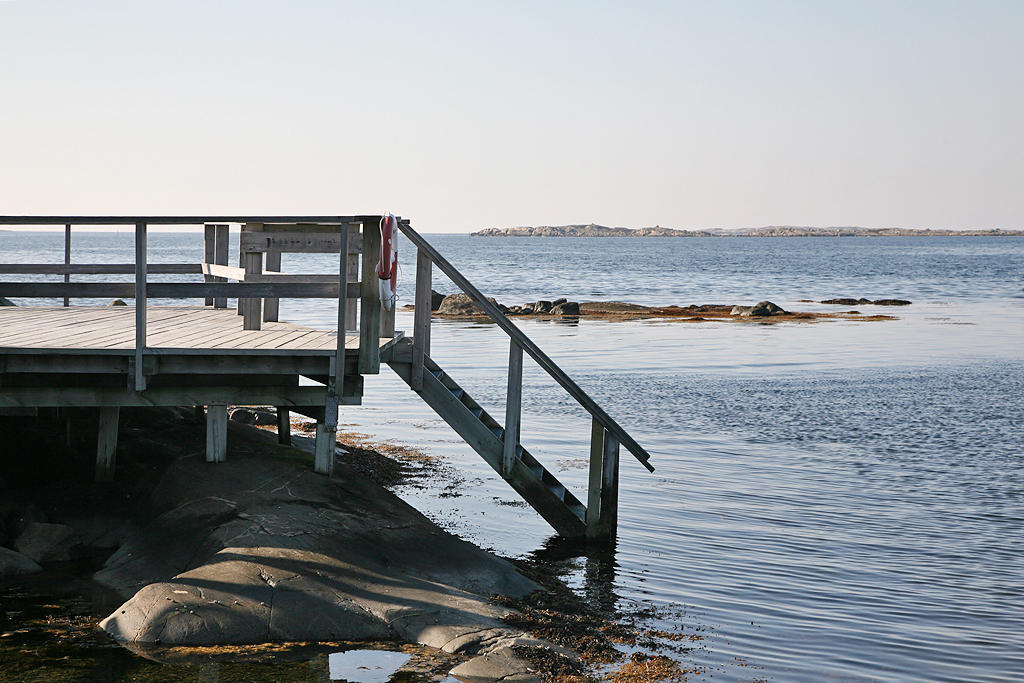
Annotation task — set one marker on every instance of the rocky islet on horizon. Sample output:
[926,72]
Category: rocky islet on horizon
[595,230]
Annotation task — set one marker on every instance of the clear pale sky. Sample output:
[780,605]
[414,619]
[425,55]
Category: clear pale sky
[474,114]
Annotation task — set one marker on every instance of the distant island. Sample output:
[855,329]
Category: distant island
[594,230]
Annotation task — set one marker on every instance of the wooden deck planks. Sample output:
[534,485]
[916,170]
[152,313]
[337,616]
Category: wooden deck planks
[184,327]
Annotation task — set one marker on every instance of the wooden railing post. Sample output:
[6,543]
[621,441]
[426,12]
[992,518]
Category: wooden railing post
[513,406]
[272,305]
[594,480]
[421,320]
[369,306]
[67,258]
[222,238]
[209,254]
[140,304]
[252,262]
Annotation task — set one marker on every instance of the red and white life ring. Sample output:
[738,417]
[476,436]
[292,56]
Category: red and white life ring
[387,267]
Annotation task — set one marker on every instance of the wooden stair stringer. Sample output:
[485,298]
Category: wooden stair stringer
[534,483]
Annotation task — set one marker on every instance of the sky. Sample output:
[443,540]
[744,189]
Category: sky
[470,114]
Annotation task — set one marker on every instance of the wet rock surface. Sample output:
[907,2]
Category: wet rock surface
[44,542]
[846,301]
[13,563]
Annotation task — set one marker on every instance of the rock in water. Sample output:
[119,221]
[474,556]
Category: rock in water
[842,301]
[13,563]
[461,304]
[761,309]
[48,542]
[566,308]
[891,302]
[765,308]
[435,299]
[117,302]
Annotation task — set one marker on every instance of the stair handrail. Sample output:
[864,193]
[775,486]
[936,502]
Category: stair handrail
[527,344]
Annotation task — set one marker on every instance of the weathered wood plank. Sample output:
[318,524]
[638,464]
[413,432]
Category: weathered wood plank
[222,236]
[216,433]
[594,479]
[179,290]
[272,305]
[31,397]
[140,305]
[98,269]
[421,319]
[369,306]
[295,242]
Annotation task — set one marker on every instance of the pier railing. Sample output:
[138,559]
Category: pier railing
[606,433]
[258,291]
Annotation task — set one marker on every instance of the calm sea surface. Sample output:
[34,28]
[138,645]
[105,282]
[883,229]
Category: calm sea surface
[833,501]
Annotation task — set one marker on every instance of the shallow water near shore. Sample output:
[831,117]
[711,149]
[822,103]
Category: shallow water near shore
[832,501]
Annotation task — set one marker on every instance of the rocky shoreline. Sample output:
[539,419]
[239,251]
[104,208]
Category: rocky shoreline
[259,550]
[595,230]
[460,306]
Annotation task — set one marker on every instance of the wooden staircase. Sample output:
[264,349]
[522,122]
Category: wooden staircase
[498,442]
[531,480]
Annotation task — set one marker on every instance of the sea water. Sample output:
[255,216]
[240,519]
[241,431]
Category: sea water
[835,500]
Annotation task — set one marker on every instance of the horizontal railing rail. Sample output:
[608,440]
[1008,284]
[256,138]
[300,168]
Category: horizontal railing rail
[517,336]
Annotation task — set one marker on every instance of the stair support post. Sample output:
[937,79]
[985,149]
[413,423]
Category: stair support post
[513,406]
[421,322]
[603,492]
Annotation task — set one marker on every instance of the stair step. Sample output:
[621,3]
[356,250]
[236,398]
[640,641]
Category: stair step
[580,510]
[477,412]
[497,431]
[437,373]
[537,470]
[457,391]
[556,489]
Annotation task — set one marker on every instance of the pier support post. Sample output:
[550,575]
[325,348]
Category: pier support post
[216,433]
[603,492]
[272,305]
[421,321]
[222,236]
[284,427]
[209,254]
[106,444]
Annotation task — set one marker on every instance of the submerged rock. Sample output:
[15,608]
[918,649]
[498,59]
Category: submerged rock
[891,302]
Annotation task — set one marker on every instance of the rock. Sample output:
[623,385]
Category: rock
[263,548]
[565,308]
[765,308]
[759,310]
[840,302]
[542,307]
[558,302]
[6,302]
[13,563]
[891,302]
[500,665]
[862,302]
[48,542]
[526,309]
[461,304]
[435,299]
[117,302]
[250,416]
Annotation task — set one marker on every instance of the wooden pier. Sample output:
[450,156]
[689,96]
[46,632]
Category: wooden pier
[212,356]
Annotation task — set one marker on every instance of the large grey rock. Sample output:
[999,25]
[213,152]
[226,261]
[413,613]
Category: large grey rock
[13,563]
[265,549]
[500,665]
[48,542]
[435,299]
[461,304]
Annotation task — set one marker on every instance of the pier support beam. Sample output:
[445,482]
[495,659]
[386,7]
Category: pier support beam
[216,433]
[284,426]
[106,444]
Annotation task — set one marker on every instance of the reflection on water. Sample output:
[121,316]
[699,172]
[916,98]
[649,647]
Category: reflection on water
[365,666]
